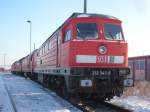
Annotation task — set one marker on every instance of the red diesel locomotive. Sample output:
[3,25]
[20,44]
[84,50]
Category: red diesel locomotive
[86,56]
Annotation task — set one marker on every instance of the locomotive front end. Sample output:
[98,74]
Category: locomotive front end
[99,57]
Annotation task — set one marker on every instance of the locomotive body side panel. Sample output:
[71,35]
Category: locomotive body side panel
[46,55]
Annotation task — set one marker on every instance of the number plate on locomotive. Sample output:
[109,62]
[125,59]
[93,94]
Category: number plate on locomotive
[101,72]
[86,83]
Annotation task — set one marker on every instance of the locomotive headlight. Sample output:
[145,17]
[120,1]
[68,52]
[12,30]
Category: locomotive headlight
[102,49]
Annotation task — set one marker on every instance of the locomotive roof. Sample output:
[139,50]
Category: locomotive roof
[76,15]
[80,15]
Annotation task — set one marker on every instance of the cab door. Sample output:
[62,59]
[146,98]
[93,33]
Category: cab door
[59,42]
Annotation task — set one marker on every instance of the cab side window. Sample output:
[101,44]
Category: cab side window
[67,36]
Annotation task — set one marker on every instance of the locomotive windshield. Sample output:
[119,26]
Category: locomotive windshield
[87,30]
[113,32]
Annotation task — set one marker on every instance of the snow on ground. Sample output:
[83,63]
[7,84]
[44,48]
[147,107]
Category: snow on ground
[29,96]
[136,98]
[135,103]
[5,105]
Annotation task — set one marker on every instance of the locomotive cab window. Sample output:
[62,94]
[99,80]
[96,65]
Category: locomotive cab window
[87,31]
[67,35]
[113,32]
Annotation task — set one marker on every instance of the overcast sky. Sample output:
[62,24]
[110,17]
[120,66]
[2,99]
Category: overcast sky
[48,15]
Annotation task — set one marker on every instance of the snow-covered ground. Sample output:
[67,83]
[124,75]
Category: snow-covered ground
[136,98]
[29,96]
[135,103]
[5,104]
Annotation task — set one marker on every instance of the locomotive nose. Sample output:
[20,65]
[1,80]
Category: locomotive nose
[98,54]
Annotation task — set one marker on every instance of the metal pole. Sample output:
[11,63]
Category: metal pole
[30,32]
[4,60]
[85,6]
[30,35]
[34,46]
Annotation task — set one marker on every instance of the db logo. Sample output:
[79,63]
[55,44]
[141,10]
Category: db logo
[101,59]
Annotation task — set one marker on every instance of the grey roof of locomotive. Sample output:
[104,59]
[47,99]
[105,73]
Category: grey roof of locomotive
[76,15]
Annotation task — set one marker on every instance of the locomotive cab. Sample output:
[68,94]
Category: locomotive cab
[97,41]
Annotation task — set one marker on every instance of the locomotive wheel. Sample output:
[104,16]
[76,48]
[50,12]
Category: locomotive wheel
[64,92]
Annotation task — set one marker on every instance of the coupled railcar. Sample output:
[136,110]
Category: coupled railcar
[86,56]
[16,67]
[2,69]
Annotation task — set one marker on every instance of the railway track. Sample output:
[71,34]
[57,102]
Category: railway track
[85,106]
[92,106]
[13,106]
[117,108]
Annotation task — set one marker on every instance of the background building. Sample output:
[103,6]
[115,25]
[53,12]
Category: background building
[140,67]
